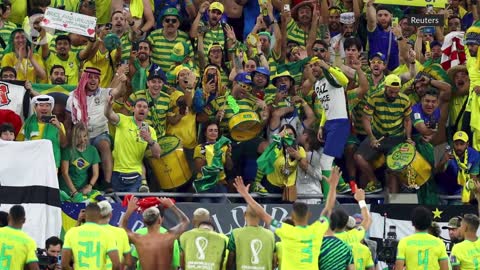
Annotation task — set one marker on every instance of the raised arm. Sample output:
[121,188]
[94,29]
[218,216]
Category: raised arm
[196,23]
[184,221]
[131,207]
[360,197]
[332,192]
[243,190]
[112,117]
[371,16]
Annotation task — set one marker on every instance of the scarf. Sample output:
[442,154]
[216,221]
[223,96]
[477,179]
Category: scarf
[79,102]
[49,133]
[463,176]
[211,172]
[267,159]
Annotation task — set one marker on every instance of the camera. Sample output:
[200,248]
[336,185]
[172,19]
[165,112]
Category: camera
[388,251]
[44,260]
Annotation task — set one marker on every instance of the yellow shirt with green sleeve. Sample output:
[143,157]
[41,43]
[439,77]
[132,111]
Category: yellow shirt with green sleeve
[17,249]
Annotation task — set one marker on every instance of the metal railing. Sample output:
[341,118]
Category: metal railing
[382,197]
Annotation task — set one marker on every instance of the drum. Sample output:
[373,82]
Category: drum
[171,169]
[409,165]
[244,126]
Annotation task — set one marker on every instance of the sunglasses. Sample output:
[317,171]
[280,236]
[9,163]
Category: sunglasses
[245,86]
[376,62]
[322,50]
[172,21]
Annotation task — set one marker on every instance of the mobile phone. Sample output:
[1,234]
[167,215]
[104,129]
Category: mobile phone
[364,55]
[210,77]
[286,8]
[427,46]
[282,88]
[135,46]
[394,21]
[323,30]
[108,26]
[59,260]
[125,62]
[47,118]
[144,126]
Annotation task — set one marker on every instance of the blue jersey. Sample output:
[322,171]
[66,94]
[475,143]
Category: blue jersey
[419,116]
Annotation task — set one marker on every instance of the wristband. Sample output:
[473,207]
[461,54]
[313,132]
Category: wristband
[73,193]
[362,204]
[90,184]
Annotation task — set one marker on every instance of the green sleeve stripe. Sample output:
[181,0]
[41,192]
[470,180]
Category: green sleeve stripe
[69,248]
[456,264]
[400,259]
[32,261]
[444,258]
[368,266]
[113,249]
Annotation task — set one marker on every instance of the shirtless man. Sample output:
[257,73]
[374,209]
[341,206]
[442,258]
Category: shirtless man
[155,249]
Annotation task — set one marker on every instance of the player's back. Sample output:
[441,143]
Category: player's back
[90,245]
[466,254]
[301,244]
[155,250]
[17,249]
[362,256]
[421,251]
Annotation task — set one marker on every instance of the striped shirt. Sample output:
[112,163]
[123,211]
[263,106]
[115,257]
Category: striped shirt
[5,33]
[157,117]
[334,254]
[126,46]
[220,103]
[387,117]
[162,47]
[213,35]
[295,33]
[357,110]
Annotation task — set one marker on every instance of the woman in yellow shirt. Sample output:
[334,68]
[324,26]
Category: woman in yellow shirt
[19,55]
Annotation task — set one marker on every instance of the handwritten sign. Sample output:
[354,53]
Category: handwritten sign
[414,3]
[69,22]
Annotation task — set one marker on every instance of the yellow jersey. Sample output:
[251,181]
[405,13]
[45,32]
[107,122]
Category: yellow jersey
[362,256]
[466,255]
[129,146]
[71,65]
[17,249]
[277,178]
[301,243]
[351,237]
[25,69]
[421,251]
[90,245]
[121,240]
[39,136]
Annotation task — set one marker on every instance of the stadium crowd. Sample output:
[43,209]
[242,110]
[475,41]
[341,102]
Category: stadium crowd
[265,97]
[186,95]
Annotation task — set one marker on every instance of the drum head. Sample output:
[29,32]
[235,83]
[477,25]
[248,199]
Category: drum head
[401,156]
[168,144]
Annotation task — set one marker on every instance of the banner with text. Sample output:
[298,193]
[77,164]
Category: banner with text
[69,22]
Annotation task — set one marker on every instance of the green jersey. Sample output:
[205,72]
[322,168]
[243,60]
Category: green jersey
[203,249]
[253,247]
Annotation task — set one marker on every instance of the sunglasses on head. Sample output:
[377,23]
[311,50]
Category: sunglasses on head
[322,50]
[245,86]
[170,20]
[376,61]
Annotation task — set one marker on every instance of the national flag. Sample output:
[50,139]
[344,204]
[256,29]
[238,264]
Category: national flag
[28,176]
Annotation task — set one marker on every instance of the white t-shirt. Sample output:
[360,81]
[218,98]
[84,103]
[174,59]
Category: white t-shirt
[97,121]
[332,98]
[11,98]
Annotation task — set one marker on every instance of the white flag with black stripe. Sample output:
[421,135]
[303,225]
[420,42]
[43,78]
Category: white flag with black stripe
[28,176]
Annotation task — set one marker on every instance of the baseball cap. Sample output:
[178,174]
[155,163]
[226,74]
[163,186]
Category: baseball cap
[244,77]
[216,5]
[180,51]
[170,12]
[393,80]
[460,135]
[453,223]
[157,74]
[379,55]
[262,70]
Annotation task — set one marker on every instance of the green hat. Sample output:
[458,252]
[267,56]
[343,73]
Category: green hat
[180,51]
[282,74]
[171,12]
